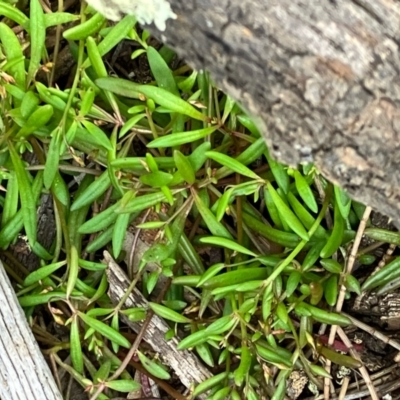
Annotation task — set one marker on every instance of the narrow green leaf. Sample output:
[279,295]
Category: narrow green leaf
[229,105]
[161,72]
[59,18]
[287,239]
[266,304]
[338,358]
[184,167]
[167,313]
[93,192]
[160,96]
[331,290]
[272,210]
[352,284]
[101,290]
[39,118]
[75,347]
[60,190]
[229,244]
[119,233]
[16,224]
[388,273]
[155,369]
[293,282]
[322,316]
[114,36]
[156,179]
[131,123]
[212,271]
[336,237]
[331,266]
[38,36]
[151,225]
[244,366]
[305,192]
[105,330]
[29,104]
[26,196]
[123,385]
[223,203]
[235,277]
[215,227]
[53,158]
[87,102]
[177,139]
[14,14]
[85,29]
[97,134]
[279,172]
[36,299]
[232,164]
[91,266]
[204,352]
[10,206]
[304,216]
[286,213]
[272,356]
[114,325]
[103,372]
[192,340]
[73,270]
[209,383]
[141,203]
[279,393]
[171,102]
[42,273]
[100,221]
[343,201]
[383,235]
[12,48]
[319,371]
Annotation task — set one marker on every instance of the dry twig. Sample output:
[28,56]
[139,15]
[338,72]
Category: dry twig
[341,297]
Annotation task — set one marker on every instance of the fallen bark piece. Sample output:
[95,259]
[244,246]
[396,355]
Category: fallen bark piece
[185,364]
[24,373]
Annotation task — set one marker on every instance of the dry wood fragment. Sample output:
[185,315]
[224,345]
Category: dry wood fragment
[24,373]
[184,363]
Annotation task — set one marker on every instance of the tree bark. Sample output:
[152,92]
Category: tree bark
[322,76]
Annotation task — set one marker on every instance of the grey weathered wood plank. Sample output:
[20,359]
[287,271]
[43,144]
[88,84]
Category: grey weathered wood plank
[24,373]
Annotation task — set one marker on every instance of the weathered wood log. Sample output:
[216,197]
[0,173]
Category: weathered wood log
[323,76]
[184,363]
[24,373]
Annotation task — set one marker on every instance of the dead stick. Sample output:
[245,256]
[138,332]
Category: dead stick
[343,389]
[362,369]
[342,294]
[379,335]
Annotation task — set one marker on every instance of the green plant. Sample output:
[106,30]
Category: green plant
[201,159]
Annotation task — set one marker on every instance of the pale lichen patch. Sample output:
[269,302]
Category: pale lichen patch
[146,11]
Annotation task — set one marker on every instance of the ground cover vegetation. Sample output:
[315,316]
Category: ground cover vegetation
[255,257]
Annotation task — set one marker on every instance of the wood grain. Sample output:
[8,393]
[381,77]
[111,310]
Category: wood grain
[24,373]
[184,363]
